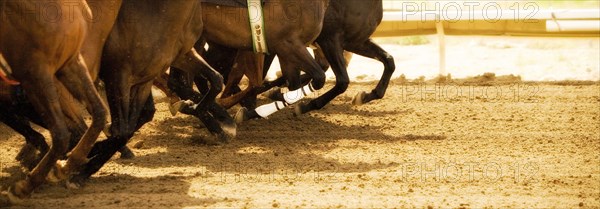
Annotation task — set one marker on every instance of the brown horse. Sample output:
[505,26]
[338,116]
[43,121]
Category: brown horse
[45,55]
[17,111]
[147,38]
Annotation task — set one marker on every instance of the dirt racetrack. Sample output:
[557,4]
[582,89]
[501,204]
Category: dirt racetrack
[537,146]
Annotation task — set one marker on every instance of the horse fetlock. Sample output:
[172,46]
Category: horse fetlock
[58,172]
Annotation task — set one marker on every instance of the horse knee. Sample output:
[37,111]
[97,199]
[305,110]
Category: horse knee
[318,80]
[100,117]
[390,63]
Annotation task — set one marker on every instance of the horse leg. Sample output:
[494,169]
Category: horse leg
[161,83]
[298,59]
[35,146]
[321,58]
[372,50]
[123,127]
[76,79]
[219,122]
[235,75]
[43,95]
[333,51]
[251,65]
[182,84]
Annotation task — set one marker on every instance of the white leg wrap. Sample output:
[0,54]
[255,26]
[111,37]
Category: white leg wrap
[292,97]
[268,109]
[289,97]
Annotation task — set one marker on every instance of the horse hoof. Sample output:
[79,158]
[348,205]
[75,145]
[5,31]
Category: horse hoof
[11,199]
[359,98]
[72,185]
[15,193]
[126,153]
[175,107]
[241,115]
[229,132]
[76,182]
[25,152]
[300,109]
[4,200]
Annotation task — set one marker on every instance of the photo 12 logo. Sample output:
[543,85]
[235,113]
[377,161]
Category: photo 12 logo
[454,11]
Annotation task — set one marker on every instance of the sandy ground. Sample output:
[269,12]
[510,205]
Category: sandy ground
[535,147]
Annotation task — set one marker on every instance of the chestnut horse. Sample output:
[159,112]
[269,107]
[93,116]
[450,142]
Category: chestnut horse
[45,56]
[17,111]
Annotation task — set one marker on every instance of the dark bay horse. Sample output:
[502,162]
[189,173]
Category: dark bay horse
[148,37]
[45,56]
[348,26]
[290,27]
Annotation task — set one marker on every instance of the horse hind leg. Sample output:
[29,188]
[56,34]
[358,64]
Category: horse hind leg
[43,95]
[75,77]
[372,50]
[35,147]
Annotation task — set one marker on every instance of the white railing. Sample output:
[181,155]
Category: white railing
[565,22]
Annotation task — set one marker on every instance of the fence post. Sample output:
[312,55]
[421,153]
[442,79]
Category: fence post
[442,46]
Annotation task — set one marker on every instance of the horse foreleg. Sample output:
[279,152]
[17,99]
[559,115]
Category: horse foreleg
[333,51]
[219,122]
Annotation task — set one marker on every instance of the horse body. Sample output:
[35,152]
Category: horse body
[348,26]
[147,38]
